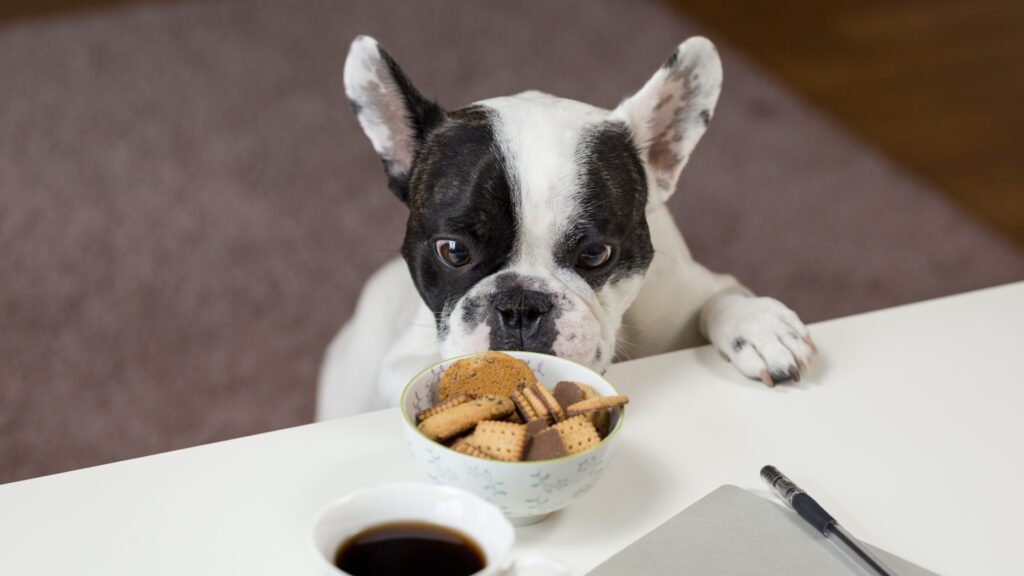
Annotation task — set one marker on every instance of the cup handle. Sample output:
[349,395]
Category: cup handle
[534,564]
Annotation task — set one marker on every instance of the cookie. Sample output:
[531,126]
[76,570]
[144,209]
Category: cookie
[567,393]
[459,443]
[465,416]
[538,405]
[487,373]
[533,427]
[597,403]
[578,434]
[600,419]
[438,408]
[587,390]
[557,414]
[526,411]
[545,446]
[464,446]
[500,440]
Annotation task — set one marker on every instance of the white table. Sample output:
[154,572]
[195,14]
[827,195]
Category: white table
[910,431]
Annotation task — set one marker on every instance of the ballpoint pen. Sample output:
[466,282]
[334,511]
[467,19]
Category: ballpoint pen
[821,520]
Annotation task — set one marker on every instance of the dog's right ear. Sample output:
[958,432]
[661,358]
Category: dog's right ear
[394,115]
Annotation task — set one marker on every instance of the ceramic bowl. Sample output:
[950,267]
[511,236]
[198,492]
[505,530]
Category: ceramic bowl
[525,492]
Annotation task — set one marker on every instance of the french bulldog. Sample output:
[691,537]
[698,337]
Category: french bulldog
[540,223]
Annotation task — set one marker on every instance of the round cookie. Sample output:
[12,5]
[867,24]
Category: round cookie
[487,373]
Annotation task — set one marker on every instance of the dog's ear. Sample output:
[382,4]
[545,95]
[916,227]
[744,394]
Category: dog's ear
[670,113]
[394,115]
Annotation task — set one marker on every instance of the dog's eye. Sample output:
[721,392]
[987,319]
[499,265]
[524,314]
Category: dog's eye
[452,252]
[593,256]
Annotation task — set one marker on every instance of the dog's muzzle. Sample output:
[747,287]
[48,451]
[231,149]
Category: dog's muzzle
[522,320]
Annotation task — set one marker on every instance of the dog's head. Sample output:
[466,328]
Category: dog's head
[527,214]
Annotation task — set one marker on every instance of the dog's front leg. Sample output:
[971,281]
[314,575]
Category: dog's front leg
[682,304]
[762,337]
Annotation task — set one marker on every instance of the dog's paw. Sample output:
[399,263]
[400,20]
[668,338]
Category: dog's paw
[763,338]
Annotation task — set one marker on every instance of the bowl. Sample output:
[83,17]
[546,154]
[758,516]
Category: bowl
[526,492]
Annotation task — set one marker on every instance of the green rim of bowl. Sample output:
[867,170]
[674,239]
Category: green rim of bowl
[405,417]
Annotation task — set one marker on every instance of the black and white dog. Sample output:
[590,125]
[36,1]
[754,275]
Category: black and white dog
[539,223]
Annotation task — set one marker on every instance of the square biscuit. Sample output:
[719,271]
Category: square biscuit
[600,418]
[567,393]
[545,445]
[500,440]
[526,411]
[578,434]
[538,405]
[464,446]
[554,408]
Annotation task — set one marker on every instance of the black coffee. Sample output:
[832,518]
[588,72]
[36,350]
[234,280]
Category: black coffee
[409,548]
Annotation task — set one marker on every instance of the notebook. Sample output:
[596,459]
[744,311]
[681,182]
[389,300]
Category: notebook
[732,532]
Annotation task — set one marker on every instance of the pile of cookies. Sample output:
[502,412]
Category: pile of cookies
[490,405]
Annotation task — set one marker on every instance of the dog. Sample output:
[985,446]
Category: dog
[540,223]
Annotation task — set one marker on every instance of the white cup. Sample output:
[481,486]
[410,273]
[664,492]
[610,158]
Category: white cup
[441,505]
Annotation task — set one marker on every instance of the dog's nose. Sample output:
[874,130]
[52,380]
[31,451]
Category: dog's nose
[520,316]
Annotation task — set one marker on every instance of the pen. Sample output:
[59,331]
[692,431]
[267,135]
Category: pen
[822,521]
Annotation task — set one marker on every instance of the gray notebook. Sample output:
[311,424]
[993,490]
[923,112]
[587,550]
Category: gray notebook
[732,532]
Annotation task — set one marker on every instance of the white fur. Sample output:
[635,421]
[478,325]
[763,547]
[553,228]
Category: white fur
[368,82]
[675,305]
[539,134]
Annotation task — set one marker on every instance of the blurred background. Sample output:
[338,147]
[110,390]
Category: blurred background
[188,209]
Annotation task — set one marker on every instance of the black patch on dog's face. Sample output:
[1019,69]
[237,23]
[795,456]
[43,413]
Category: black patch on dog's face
[611,199]
[458,189]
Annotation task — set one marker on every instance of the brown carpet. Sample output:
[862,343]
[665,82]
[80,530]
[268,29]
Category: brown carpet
[188,209]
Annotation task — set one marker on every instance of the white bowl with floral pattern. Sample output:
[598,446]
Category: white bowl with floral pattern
[525,491]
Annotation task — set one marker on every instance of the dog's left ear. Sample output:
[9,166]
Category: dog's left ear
[394,115]
[670,113]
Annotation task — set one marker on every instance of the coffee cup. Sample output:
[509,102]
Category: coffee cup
[446,508]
